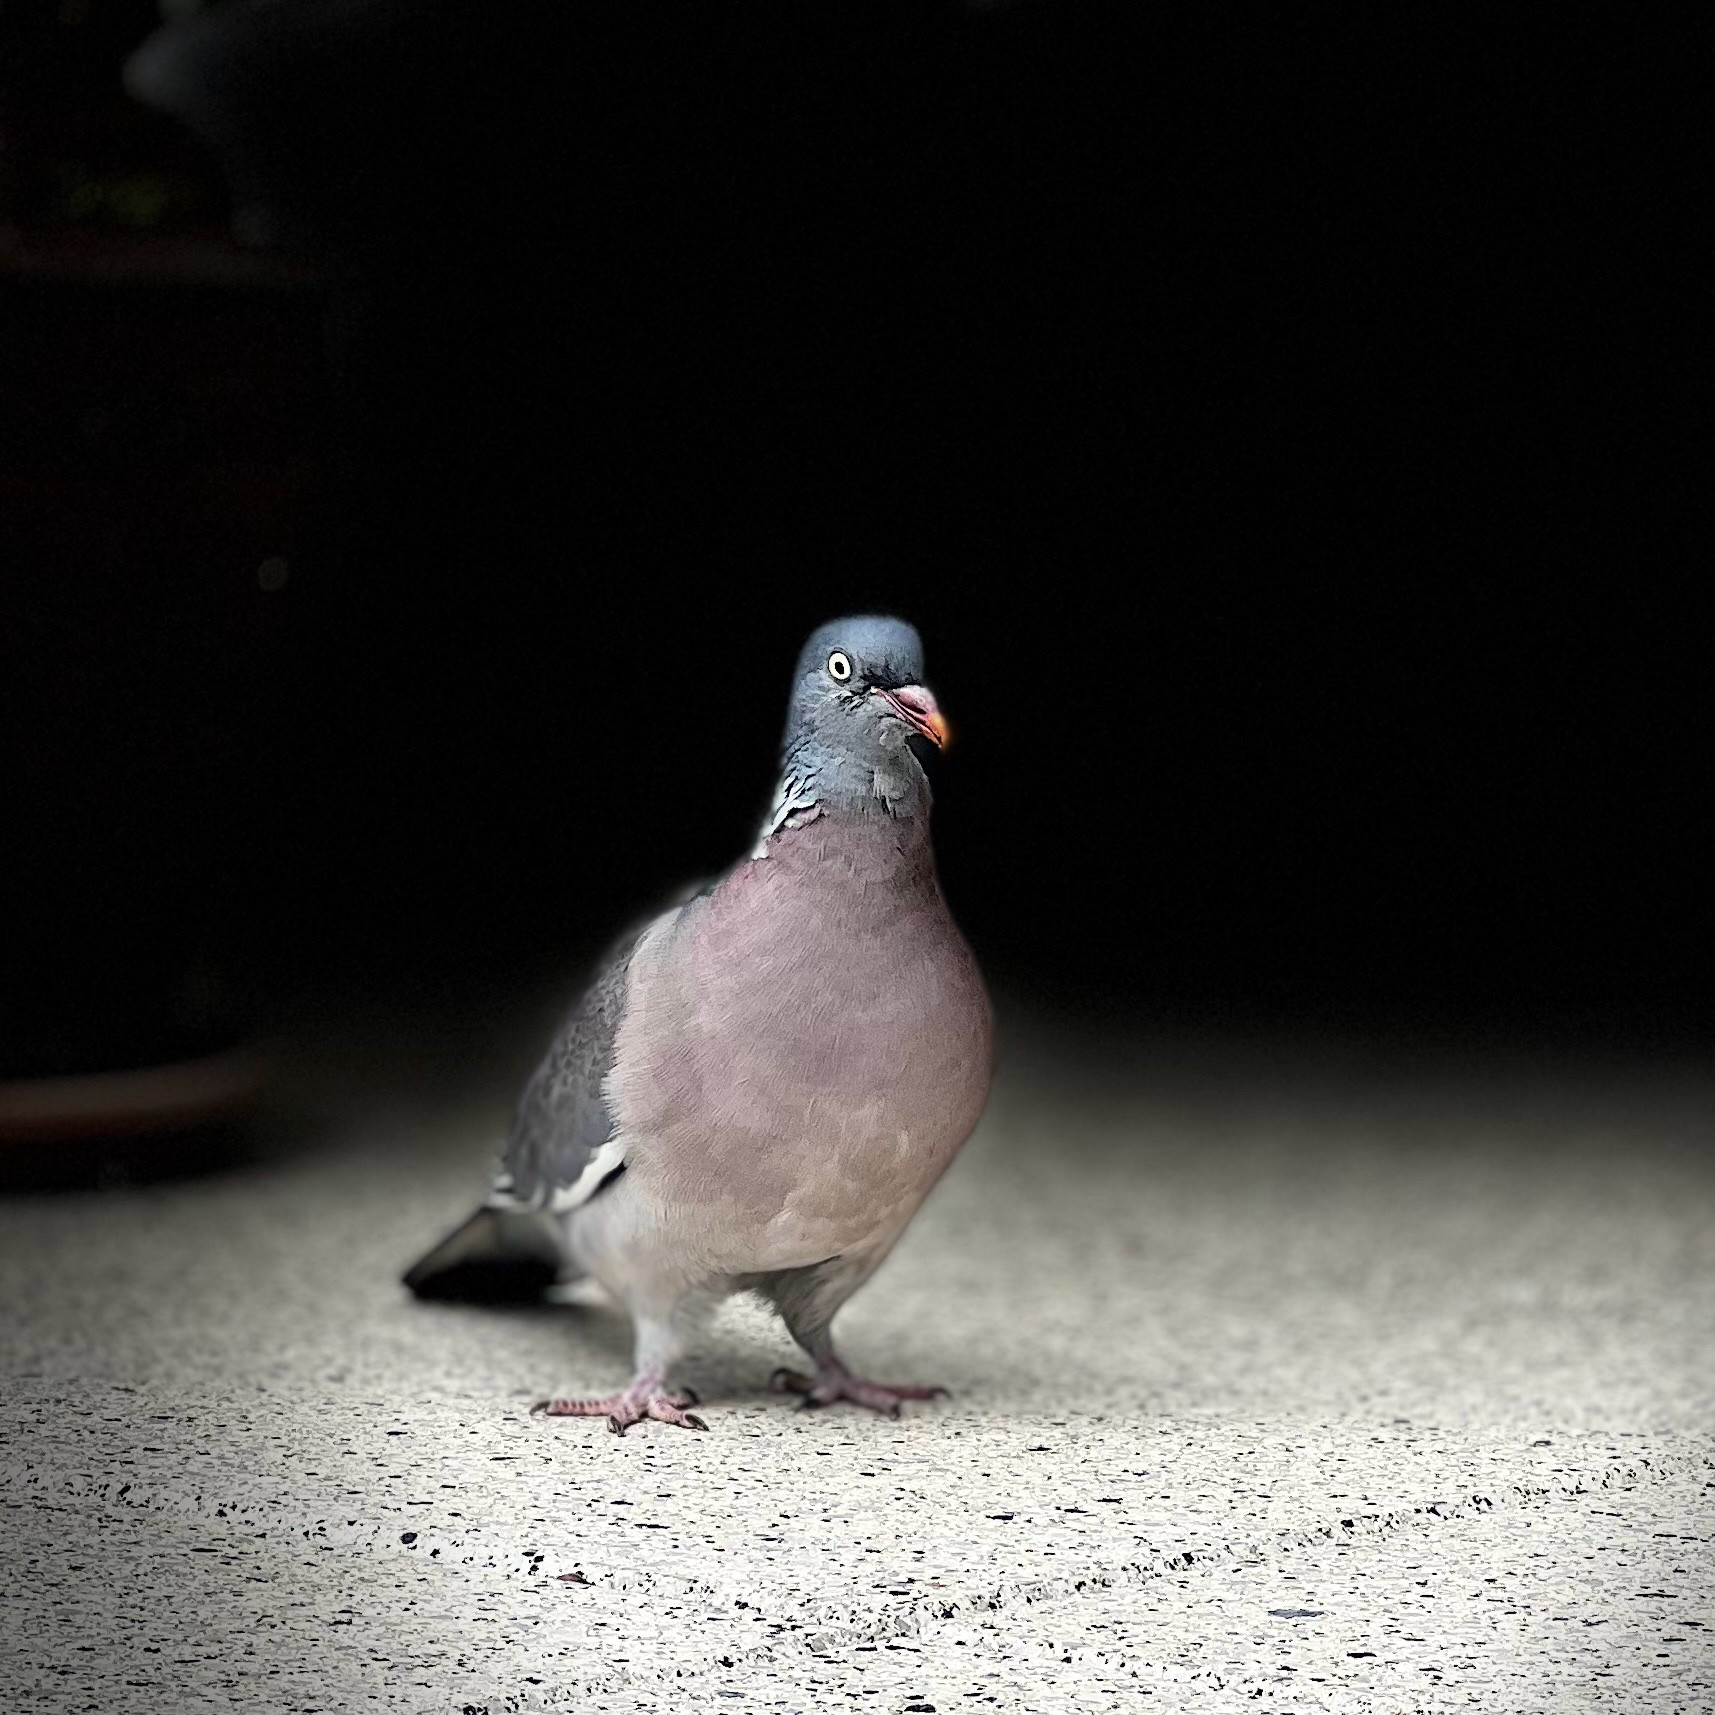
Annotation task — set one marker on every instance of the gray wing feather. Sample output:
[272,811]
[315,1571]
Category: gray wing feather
[562,1149]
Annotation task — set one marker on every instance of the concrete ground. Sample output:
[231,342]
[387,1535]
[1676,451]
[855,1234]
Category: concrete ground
[1280,1383]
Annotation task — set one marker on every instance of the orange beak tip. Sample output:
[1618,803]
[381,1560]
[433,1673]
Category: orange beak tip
[916,706]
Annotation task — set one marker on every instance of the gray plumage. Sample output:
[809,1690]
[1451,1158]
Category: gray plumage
[759,1089]
[509,1250]
[563,1131]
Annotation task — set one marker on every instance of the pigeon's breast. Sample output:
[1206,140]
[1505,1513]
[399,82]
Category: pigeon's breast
[804,1050]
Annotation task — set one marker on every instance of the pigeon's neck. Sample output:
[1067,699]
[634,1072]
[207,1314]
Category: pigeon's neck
[887,788]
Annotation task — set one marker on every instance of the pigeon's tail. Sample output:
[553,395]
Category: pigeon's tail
[496,1257]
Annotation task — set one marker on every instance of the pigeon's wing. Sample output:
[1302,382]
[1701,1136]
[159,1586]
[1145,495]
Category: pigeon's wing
[562,1149]
[561,1152]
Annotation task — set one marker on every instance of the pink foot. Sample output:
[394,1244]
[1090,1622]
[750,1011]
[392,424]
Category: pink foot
[643,1400]
[834,1381]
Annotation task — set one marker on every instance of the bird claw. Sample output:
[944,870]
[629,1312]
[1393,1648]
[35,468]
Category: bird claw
[622,1410]
[835,1382]
[683,1419]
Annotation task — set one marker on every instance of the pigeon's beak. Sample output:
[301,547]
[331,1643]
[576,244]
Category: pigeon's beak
[918,709]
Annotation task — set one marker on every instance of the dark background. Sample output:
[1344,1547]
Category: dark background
[1277,422]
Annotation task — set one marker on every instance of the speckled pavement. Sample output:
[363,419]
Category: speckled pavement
[1277,1387]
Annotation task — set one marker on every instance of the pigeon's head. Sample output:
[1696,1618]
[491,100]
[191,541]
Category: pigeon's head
[858,692]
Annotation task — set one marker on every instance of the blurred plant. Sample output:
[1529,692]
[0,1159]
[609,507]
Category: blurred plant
[75,150]
[136,199]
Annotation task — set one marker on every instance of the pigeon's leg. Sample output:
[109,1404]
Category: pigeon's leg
[807,1299]
[646,1397]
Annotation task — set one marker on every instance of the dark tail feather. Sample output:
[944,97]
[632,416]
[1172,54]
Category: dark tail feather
[494,1258]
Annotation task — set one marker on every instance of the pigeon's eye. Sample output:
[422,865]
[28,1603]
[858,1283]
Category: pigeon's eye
[839,666]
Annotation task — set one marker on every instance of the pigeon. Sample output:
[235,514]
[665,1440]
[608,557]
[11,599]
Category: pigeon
[761,1086]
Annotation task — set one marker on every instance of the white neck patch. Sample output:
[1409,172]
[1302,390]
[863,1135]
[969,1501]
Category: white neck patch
[795,804]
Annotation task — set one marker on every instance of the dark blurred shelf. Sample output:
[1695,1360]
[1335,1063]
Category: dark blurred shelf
[80,256]
[162,400]
[132,1126]
[143,1099]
